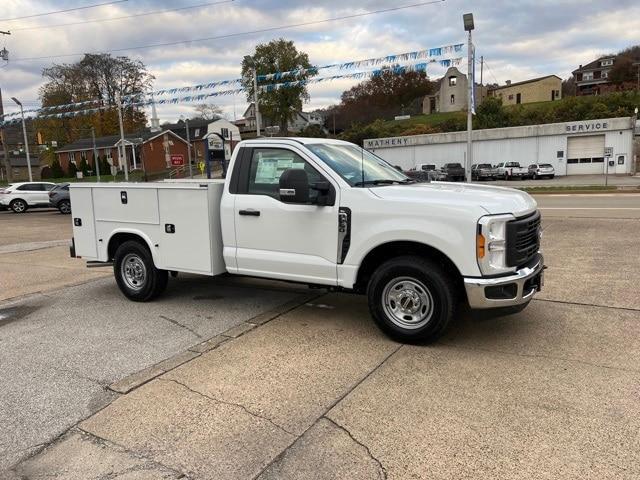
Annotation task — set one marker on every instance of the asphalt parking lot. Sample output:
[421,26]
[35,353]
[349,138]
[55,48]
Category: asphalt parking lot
[314,390]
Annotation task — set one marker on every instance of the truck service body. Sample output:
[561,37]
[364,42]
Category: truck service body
[323,213]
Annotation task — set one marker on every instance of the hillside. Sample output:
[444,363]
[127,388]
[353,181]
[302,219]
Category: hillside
[492,114]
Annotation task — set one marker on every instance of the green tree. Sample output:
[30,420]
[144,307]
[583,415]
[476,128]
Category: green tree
[624,69]
[313,131]
[72,170]
[84,167]
[491,114]
[281,104]
[56,169]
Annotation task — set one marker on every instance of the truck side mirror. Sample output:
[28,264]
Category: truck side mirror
[294,186]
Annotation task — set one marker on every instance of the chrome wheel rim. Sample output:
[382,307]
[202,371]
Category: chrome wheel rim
[18,207]
[407,303]
[133,271]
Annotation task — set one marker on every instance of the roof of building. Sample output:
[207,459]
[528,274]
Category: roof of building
[112,141]
[533,80]
[593,65]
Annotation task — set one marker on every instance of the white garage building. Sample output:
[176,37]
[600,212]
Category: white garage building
[573,148]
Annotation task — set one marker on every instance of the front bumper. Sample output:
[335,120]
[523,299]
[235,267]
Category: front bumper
[512,290]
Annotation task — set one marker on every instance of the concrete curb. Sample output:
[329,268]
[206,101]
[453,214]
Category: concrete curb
[135,380]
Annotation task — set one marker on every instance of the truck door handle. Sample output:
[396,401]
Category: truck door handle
[251,212]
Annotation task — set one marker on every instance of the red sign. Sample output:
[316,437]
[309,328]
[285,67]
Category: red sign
[177,160]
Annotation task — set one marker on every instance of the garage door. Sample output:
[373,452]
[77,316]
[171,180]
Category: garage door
[585,155]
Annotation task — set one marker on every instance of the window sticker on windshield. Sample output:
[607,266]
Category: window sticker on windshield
[267,171]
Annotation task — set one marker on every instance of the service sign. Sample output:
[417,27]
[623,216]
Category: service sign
[177,160]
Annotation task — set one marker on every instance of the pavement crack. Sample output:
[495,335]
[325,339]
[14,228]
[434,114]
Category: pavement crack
[177,323]
[233,404]
[539,355]
[627,309]
[383,471]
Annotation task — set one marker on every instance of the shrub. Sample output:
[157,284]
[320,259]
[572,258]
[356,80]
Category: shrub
[56,169]
[72,170]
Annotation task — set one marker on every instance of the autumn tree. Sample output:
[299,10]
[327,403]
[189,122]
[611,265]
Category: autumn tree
[99,77]
[624,69]
[281,104]
[383,96]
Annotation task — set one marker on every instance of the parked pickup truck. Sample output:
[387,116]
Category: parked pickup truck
[426,172]
[483,171]
[511,170]
[328,214]
[454,172]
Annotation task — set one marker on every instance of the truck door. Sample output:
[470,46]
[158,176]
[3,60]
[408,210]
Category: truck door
[281,240]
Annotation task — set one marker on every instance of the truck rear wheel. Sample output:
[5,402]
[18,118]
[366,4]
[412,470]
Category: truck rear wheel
[136,275]
[411,299]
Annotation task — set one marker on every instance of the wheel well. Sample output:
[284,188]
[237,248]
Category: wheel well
[119,238]
[386,251]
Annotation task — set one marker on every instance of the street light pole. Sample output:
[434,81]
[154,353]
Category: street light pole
[469,26]
[26,140]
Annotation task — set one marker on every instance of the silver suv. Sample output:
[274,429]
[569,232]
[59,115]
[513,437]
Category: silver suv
[21,196]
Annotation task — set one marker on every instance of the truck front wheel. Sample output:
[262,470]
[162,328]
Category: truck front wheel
[411,299]
[136,275]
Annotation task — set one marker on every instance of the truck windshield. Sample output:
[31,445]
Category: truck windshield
[357,166]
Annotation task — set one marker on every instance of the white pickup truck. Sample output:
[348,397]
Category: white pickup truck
[511,170]
[323,213]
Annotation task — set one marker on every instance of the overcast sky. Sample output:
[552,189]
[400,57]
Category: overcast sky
[518,39]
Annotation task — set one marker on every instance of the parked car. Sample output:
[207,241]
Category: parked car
[541,170]
[59,198]
[454,172]
[483,171]
[19,197]
[338,217]
[426,172]
[511,170]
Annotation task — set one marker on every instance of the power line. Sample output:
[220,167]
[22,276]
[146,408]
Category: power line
[112,19]
[486,64]
[238,34]
[63,11]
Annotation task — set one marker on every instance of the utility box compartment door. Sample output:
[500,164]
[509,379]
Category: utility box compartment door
[124,203]
[84,229]
[185,234]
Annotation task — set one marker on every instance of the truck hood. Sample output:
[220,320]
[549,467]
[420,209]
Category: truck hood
[494,200]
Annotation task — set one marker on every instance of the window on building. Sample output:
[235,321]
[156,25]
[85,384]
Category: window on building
[607,62]
[453,81]
[72,157]
[560,154]
[452,99]
[557,93]
[224,132]
[585,160]
[572,160]
[605,74]
[197,133]
[510,97]
[597,160]
[83,156]
[587,76]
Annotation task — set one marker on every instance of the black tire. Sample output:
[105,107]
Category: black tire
[64,206]
[136,275]
[18,206]
[408,276]
[534,177]
[551,177]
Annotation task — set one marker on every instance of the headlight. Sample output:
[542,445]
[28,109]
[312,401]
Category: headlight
[491,244]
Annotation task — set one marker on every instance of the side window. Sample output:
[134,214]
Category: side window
[267,164]
[48,186]
[30,187]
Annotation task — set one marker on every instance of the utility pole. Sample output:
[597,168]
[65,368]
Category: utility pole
[186,122]
[96,160]
[469,26]
[252,63]
[481,69]
[4,55]
[122,153]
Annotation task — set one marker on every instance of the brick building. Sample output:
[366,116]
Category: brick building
[542,89]
[147,151]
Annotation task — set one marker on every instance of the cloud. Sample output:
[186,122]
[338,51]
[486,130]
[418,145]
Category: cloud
[518,40]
